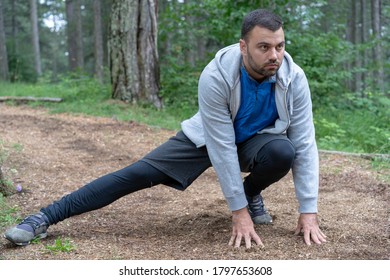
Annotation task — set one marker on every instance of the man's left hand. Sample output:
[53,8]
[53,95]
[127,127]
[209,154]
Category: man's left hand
[308,225]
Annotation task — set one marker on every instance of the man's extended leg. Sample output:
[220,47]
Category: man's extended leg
[94,195]
[175,163]
[105,190]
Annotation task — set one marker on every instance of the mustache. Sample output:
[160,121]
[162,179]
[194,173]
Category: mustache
[272,63]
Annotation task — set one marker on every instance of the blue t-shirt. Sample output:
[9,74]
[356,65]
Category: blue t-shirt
[258,107]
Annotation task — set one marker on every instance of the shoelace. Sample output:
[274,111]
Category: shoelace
[257,205]
[34,221]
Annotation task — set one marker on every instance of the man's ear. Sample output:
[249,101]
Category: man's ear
[243,47]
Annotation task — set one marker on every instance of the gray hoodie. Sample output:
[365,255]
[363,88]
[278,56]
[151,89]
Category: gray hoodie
[219,93]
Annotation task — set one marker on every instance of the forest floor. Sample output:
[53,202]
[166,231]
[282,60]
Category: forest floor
[52,155]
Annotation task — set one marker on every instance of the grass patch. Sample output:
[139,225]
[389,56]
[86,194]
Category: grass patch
[60,245]
[87,97]
[382,168]
[7,214]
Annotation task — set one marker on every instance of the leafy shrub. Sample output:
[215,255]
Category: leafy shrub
[61,246]
[355,124]
[7,213]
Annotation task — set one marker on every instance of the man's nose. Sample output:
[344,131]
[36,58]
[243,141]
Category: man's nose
[273,56]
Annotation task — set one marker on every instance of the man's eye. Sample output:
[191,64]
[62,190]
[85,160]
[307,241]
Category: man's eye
[264,48]
[280,47]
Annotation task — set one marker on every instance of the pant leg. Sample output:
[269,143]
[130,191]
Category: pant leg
[105,190]
[272,162]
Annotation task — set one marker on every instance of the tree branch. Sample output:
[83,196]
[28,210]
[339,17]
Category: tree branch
[361,155]
[29,98]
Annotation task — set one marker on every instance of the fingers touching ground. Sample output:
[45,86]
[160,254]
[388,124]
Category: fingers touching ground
[243,230]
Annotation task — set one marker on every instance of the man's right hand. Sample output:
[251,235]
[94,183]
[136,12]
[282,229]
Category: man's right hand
[243,228]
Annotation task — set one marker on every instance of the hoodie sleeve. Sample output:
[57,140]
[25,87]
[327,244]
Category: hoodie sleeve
[302,134]
[213,94]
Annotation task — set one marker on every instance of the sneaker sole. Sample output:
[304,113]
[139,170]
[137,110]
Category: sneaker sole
[37,237]
[262,220]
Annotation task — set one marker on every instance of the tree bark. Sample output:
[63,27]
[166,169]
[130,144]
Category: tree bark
[3,48]
[22,99]
[356,40]
[74,34]
[363,40]
[133,52]
[361,155]
[377,50]
[98,40]
[349,35]
[35,37]
[79,35]
[14,29]
[148,55]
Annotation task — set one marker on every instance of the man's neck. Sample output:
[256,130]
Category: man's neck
[255,76]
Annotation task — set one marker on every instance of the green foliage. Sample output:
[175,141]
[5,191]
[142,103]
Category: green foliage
[216,23]
[60,245]
[3,152]
[355,124]
[316,55]
[383,166]
[7,213]
[18,41]
[20,69]
[6,187]
[179,89]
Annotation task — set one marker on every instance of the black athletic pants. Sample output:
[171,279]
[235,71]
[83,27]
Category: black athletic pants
[178,163]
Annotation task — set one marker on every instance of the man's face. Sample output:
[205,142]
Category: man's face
[263,52]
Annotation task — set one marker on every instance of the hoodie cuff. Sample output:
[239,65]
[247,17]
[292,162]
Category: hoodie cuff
[308,205]
[237,202]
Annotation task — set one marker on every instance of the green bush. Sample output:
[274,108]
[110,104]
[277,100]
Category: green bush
[7,213]
[355,124]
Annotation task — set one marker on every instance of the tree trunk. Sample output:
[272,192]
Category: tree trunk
[74,34]
[79,35]
[377,50]
[35,37]
[349,35]
[3,47]
[98,40]
[356,40]
[363,40]
[70,30]
[14,29]
[133,52]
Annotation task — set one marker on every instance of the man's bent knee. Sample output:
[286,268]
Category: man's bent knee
[277,155]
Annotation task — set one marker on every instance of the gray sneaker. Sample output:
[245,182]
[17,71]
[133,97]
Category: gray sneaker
[31,228]
[258,212]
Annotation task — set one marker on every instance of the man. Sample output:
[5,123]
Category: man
[254,116]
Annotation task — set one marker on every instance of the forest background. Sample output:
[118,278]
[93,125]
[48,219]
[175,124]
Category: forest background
[57,48]
[86,52]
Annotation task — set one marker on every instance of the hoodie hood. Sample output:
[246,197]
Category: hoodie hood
[229,60]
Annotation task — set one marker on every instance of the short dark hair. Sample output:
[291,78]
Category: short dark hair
[262,18]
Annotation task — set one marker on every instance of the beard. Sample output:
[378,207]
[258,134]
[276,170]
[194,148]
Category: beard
[262,69]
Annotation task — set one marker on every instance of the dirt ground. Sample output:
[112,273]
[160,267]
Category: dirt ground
[59,153]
